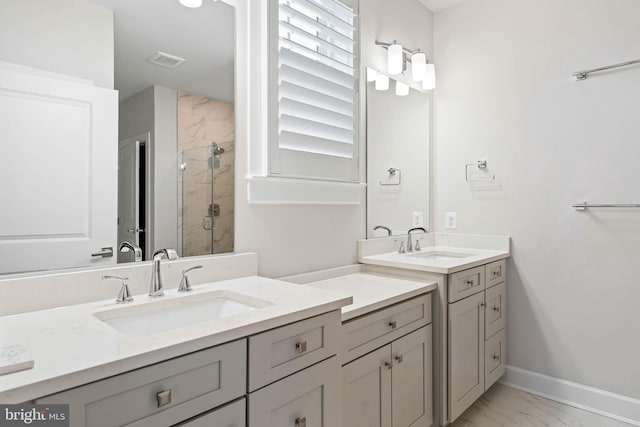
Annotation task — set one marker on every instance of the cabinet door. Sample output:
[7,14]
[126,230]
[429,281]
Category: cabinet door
[411,387]
[366,390]
[495,356]
[496,316]
[310,398]
[466,353]
[231,415]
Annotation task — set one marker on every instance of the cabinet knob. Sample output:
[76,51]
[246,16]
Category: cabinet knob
[301,346]
[496,357]
[163,398]
[301,422]
[469,283]
[496,309]
[482,304]
[398,358]
[388,365]
[496,273]
[393,324]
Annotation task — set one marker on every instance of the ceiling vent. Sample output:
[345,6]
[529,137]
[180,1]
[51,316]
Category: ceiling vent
[165,60]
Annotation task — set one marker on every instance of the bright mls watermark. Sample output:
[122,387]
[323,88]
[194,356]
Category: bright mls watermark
[34,415]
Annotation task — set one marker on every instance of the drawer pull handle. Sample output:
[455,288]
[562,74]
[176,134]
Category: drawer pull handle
[393,324]
[301,346]
[496,357]
[388,365]
[496,273]
[301,422]
[163,398]
[398,358]
[496,309]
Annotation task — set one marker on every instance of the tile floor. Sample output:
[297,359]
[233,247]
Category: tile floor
[503,406]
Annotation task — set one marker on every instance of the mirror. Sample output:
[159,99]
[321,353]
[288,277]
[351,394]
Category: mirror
[398,164]
[174,71]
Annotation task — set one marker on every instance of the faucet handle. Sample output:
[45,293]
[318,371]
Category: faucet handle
[401,249]
[417,247]
[184,283]
[124,295]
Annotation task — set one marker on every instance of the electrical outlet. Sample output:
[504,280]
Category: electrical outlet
[418,219]
[450,220]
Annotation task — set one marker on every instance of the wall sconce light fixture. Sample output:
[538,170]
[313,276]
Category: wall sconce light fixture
[399,56]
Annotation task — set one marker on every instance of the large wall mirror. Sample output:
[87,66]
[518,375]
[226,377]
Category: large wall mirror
[398,165]
[173,68]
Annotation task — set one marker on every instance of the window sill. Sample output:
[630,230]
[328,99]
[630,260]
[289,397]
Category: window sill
[267,190]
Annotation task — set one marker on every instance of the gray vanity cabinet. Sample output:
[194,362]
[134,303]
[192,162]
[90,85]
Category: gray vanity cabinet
[392,385]
[163,394]
[477,335]
[294,374]
[231,415]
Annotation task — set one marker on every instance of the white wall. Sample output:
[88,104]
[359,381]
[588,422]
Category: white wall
[44,34]
[505,93]
[293,239]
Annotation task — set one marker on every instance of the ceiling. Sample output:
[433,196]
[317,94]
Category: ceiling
[437,5]
[203,36]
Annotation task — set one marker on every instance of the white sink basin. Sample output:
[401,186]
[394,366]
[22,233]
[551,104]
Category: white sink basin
[441,255]
[164,315]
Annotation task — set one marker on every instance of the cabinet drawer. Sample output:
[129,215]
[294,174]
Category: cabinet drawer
[161,394]
[282,351]
[495,317]
[231,415]
[366,333]
[495,358]
[465,283]
[310,398]
[496,272]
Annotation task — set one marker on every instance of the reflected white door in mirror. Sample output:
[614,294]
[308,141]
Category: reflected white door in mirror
[58,182]
[95,130]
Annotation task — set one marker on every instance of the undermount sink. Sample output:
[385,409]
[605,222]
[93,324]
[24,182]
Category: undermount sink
[164,315]
[437,255]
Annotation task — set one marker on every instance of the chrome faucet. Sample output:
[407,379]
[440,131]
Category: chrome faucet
[128,246]
[378,227]
[156,288]
[409,243]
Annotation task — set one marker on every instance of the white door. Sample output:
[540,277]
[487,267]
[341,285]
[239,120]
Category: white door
[128,194]
[411,387]
[58,171]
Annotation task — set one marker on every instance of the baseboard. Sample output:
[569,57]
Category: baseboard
[591,399]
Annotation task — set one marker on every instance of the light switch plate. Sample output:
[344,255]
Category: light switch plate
[450,220]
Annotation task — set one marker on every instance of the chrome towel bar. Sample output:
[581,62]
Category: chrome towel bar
[584,205]
[582,75]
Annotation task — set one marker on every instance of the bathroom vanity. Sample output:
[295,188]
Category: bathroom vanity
[469,311]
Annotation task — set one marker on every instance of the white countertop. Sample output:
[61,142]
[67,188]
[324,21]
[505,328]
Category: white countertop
[71,347]
[372,291]
[412,261]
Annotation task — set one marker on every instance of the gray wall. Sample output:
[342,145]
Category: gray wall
[154,110]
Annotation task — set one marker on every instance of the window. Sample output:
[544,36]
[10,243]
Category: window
[313,96]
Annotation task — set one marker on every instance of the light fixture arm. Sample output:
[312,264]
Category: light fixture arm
[406,51]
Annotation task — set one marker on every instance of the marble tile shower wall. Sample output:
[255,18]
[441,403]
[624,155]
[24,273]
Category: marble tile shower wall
[203,121]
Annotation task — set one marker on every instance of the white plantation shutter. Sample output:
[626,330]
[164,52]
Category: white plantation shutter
[314,81]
